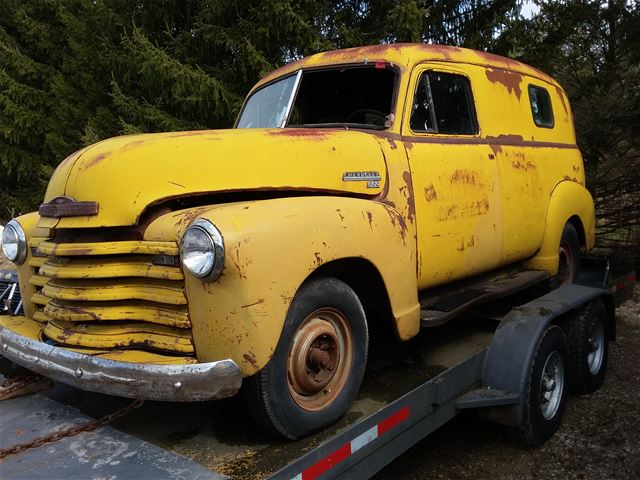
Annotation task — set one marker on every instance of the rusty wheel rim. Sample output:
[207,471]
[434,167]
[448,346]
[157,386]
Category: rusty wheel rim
[565,268]
[319,359]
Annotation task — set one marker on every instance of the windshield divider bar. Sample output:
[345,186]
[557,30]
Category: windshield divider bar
[294,93]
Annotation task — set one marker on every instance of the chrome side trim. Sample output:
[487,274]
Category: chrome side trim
[174,383]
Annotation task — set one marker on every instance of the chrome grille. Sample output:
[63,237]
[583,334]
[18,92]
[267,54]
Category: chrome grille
[126,294]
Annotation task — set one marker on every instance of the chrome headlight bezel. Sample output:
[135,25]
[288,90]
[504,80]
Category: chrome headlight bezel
[21,243]
[212,271]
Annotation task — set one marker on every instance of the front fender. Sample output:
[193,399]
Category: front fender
[271,247]
[568,199]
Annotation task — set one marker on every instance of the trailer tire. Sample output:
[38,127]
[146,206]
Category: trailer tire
[317,368]
[588,342]
[545,397]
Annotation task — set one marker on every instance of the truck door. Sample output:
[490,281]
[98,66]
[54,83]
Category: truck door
[456,182]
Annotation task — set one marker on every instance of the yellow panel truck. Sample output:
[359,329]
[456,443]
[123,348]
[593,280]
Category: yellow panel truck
[397,186]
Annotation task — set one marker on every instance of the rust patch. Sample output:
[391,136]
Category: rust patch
[190,215]
[370,53]
[495,148]
[572,179]
[507,140]
[318,258]
[370,218]
[521,164]
[392,143]
[236,262]
[510,80]
[250,358]
[460,248]
[253,304]
[193,133]
[508,63]
[132,144]
[430,193]
[471,242]
[444,50]
[408,145]
[305,133]
[576,168]
[410,202]
[469,210]
[340,214]
[95,160]
[397,220]
[465,177]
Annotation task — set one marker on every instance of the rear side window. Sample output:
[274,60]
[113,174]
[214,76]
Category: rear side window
[541,107]
[443,104]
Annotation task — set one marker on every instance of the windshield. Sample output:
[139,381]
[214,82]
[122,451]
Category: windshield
[360,97]
[267,107]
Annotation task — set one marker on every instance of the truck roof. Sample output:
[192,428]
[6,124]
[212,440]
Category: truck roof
[404,55]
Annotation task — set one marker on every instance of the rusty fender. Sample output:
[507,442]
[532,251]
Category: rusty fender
[568,199]
[271,247]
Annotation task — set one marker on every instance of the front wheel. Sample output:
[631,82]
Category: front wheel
[317,368]
[569,256]
[544,400]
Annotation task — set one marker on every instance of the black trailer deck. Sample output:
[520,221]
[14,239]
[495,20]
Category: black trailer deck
[408,392]
[410,389]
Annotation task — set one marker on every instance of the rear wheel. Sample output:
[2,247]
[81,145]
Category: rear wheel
[545,398]
[588,341]
[317,368]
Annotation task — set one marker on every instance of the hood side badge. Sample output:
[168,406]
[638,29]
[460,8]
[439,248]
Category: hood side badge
[67,207]
[372,178]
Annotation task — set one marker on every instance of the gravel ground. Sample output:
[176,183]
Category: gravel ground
[599,438]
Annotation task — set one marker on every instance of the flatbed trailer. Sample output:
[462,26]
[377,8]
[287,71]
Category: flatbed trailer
[475,362]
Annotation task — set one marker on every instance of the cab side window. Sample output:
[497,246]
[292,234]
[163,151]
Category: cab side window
[443,104]
[541,107]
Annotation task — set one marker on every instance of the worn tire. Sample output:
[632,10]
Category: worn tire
[588,342]
[541,415]
[318,365]
[569,261]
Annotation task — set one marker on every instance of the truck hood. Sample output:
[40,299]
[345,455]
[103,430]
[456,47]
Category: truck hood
[125,175]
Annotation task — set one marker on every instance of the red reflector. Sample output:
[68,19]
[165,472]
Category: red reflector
[317,469]
[381,64]
[393,420]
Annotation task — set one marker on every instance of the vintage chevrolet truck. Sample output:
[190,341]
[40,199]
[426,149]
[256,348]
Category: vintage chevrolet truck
[356,187]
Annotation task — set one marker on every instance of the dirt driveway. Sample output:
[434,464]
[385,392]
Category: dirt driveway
[599,438]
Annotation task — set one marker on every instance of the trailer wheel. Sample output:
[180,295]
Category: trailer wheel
[544,400]
[317,368]
[588,342]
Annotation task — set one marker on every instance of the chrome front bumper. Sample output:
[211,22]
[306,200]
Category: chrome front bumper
[175,383]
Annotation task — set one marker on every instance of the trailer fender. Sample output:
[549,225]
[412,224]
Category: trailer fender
[510,354]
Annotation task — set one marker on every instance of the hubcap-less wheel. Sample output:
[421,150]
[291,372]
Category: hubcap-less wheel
[551,385]
[565,268]
[596,346]
[319,359]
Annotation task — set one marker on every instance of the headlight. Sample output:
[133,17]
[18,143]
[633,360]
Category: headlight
[202,250]
[14,242]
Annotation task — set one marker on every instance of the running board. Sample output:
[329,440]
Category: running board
[439,309]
